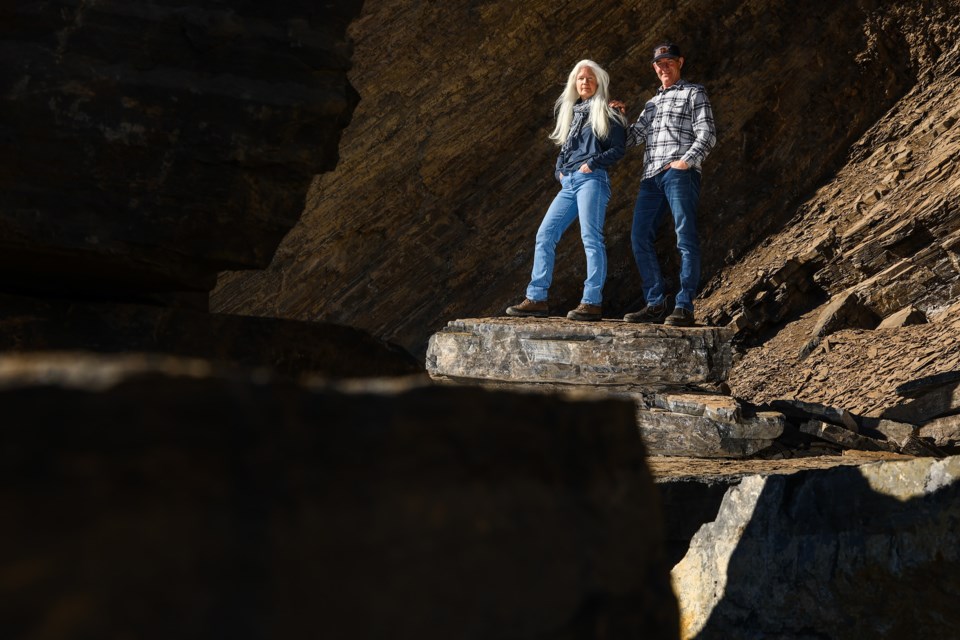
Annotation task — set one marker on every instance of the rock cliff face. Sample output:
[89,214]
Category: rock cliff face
[144,146]
[446,168]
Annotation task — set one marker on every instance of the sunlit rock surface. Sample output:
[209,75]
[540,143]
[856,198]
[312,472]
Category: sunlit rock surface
[580,353]
[851,552]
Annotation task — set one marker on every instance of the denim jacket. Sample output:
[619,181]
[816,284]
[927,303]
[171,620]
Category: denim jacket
[585,146]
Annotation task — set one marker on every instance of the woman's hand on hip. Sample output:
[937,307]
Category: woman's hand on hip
[585,168]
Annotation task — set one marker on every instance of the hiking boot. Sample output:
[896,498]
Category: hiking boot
[529,309]
[584,311]
[653,314]
[680,318]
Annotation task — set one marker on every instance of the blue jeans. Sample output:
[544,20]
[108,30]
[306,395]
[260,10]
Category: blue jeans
[680,192]
[583,196]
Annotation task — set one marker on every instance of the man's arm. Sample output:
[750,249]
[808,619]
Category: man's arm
[637,132]
[704,129]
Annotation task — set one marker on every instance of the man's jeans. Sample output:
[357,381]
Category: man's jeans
[680,191]
[583,195]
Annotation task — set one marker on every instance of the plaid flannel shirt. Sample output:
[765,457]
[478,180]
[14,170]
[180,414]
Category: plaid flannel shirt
[676,124]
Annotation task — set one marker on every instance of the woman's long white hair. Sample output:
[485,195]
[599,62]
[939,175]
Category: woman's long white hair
[600,111]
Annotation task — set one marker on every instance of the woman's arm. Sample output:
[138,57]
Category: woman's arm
[614,147]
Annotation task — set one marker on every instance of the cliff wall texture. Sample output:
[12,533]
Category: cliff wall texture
[446,168]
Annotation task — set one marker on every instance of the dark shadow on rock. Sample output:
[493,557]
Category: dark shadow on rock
[173,504]
[287,347]
[687,505]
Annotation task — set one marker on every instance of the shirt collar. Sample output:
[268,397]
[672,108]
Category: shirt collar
[679,84]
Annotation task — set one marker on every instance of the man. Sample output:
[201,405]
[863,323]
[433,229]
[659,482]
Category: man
[677,128]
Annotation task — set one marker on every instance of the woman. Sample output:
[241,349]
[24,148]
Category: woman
[591,136]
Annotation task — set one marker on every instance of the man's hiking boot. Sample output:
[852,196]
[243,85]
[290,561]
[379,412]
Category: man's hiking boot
[653,314]
[529,309]
[680,318]
[588,312]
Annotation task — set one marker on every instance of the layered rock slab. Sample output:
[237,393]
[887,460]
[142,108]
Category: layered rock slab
[562,351]
[155,498]
[658,367]
[706,425]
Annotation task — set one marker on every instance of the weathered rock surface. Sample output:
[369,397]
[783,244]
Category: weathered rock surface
[652,365]
[145,146]
[942,432]
[596,353]
[284,347]
[814,410]
[933,402]
[162,498]
[907,316]
[432,213]
[854,369]
[706,425]
[692,489]
[810,423]
[818,554]
[843,436]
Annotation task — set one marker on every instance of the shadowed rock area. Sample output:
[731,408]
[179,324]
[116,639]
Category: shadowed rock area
[145,146]
[160,498]
[241,493]
[283,347]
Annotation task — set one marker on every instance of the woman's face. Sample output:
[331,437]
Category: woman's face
[586,83]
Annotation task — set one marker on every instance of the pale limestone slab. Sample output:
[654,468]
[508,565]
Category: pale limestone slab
[580,353]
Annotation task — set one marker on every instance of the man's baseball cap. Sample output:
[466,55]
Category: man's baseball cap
[665,50]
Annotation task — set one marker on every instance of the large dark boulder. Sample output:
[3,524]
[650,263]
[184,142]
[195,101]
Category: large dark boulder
[160,498]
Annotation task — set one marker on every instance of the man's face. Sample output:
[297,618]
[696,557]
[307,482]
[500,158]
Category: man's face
[668,70]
